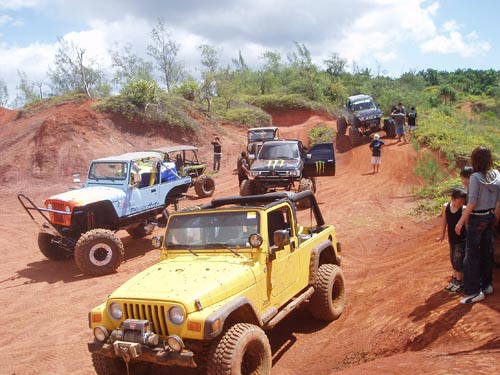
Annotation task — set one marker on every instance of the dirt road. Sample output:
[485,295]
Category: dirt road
[397,319]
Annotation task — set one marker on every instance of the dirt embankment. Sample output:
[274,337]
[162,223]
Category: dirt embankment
[398,320]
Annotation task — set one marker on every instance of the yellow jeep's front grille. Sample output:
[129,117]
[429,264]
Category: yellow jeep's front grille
[61,219]
[155,314]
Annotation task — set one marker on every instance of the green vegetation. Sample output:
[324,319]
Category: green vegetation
[320,133]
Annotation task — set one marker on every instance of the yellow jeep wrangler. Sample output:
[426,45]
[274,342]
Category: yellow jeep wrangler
[228,271]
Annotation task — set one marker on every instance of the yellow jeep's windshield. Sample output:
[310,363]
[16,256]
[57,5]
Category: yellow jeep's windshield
[211,230]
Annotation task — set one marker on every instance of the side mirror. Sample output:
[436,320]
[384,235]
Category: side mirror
[281,238]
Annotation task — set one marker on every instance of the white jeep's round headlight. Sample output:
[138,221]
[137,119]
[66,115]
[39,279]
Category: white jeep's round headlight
[176,315]
[115,311]
[67,209]
[49,206]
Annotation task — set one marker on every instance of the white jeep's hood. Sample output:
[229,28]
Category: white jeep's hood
[88,195]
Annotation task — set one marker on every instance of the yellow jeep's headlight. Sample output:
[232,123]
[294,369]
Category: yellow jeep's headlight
[175,315]
[49,206]
[115,311]
[255,240]
[67,209]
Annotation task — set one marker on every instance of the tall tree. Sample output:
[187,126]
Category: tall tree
[269,73]
[73,73]
[27,91]
[164,51]
[129,67]
[210,58]
[335,65]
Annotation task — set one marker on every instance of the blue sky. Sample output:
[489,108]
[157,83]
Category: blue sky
[390,37]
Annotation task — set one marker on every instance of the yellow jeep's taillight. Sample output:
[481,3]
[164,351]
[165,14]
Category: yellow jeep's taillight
[59,218]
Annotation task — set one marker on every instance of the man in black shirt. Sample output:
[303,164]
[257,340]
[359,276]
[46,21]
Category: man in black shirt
[217,152]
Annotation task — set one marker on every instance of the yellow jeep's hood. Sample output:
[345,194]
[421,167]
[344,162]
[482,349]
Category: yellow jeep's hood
[209,278]
[79,197]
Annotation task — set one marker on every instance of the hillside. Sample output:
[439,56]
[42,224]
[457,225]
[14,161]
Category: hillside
[398,320]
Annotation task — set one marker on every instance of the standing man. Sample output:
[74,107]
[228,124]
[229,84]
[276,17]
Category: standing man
[399,119]
[217,152]
[243,168]
[411,118]
[376,146]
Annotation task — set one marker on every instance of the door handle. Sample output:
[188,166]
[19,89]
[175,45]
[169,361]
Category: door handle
[153,190]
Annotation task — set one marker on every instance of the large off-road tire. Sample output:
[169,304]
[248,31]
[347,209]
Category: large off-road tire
[204,186]
[328,299]
[99,252]
[354,136]
[108,366]
[389,128]
[246,188]
[341,125]
[243,349]
[140,231]
[51,250]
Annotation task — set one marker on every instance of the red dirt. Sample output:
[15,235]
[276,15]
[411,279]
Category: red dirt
[397,319]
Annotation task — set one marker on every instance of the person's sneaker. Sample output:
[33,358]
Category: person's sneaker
[451,285]
[457,288]
[473,298]
[488,289]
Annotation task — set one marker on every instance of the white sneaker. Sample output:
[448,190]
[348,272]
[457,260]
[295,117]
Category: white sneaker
[473,298]
[488,289]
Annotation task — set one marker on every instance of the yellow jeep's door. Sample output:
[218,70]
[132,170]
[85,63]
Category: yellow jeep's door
[283,261]
[320,161]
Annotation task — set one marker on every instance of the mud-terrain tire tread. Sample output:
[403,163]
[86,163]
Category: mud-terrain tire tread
[228,353]
[246,188]
[204,186]
[108,366]
[354,136]
[92,237]
[328,299]
[50,250]
[341,125]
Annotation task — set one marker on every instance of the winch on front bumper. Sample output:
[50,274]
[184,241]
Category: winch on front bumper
[134,340]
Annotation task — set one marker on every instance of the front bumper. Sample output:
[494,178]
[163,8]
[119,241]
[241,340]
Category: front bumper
[139,352]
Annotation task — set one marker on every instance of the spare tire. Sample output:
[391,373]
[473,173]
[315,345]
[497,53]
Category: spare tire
[204,186]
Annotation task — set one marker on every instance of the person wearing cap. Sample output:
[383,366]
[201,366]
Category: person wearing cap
[217,144]
[376,146]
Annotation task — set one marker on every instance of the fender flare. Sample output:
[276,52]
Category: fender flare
[323,249]
[212,329]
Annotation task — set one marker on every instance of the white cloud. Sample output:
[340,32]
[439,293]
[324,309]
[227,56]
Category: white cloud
[5,19]
[455,43]
[17,4]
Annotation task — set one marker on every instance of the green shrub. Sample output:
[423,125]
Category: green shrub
[320,133]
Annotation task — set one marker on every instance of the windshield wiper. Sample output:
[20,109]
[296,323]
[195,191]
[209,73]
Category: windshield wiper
[179,246]
[225,246]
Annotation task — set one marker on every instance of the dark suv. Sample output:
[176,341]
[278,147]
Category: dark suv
[280,164]
[361,116]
